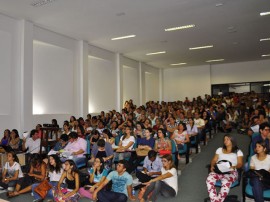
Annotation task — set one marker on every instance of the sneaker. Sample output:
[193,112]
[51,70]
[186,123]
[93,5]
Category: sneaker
[2,188]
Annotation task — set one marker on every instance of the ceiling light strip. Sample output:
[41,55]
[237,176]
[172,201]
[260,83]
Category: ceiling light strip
[216,60]
[265,13]
[41,2]
[266,39]
[178,28]
[177,64]
[268,55]
[123,37]
[201,47]
[156,53]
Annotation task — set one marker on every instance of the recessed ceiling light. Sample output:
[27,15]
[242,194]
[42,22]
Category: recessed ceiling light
[177,64]
[268,55]
[123,37]
[266,39]
[156,53]
[201,47]
[216,60]
[41,2]
[265,13]
[120,14]
[178,28]
[219,4]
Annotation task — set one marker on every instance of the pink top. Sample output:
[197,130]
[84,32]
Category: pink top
[77,145]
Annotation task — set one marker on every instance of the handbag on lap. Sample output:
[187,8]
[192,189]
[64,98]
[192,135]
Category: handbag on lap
[43,188]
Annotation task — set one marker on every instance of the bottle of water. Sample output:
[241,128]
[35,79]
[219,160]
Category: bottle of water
[133,192]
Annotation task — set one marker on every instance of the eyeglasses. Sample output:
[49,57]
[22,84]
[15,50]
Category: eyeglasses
[266,129]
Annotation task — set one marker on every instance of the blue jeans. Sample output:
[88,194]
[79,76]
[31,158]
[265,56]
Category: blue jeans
[109,196]
[50,192]
[258,188]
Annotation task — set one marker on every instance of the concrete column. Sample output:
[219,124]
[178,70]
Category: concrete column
[119,77]
[81,80]
[25,34]
[161,87]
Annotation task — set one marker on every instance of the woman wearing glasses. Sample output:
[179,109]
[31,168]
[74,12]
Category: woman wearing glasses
[165,184]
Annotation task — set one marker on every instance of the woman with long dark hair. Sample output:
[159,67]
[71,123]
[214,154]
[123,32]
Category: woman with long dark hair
[14,139]
[165,184]
[55,171]
[97,175]
[125,144]
[36,174]
[5,139]
[260,160]
[71,177]
[231,153]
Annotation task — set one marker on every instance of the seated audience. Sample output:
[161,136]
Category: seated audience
[80,131]
[121,185]
[144,146]
[55,172]
[125,144]
[260,160]
[11,172]
[103,150]
[97,174]
[32,145]
[166,184]
[36,174]
[66,129]
[192,130]
[263,136]
[14,139]
[5,139]
[107,136]
[230,152]
[71,177]
[75,149]
[151,167]
[94,137]
[61,143]
[163,143]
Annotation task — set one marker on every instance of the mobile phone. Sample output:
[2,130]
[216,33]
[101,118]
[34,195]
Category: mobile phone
[87,187]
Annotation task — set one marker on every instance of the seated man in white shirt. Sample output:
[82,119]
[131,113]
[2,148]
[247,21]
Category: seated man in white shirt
[32,143]
[75,149]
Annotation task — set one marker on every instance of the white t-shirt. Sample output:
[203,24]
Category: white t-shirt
[171,181]
[127,140]
[54,176]
[180,137]
[232,157]
[12,169]
[192,131]
[257,164]
[33,145]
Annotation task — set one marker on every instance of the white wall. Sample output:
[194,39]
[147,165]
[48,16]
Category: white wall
[102,85]
[186,82]
[131,84]
[52,79]
[241,72]
[151,87]
[10,74]
[5,76]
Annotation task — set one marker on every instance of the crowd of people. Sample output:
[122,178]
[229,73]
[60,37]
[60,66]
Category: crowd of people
[136,136]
